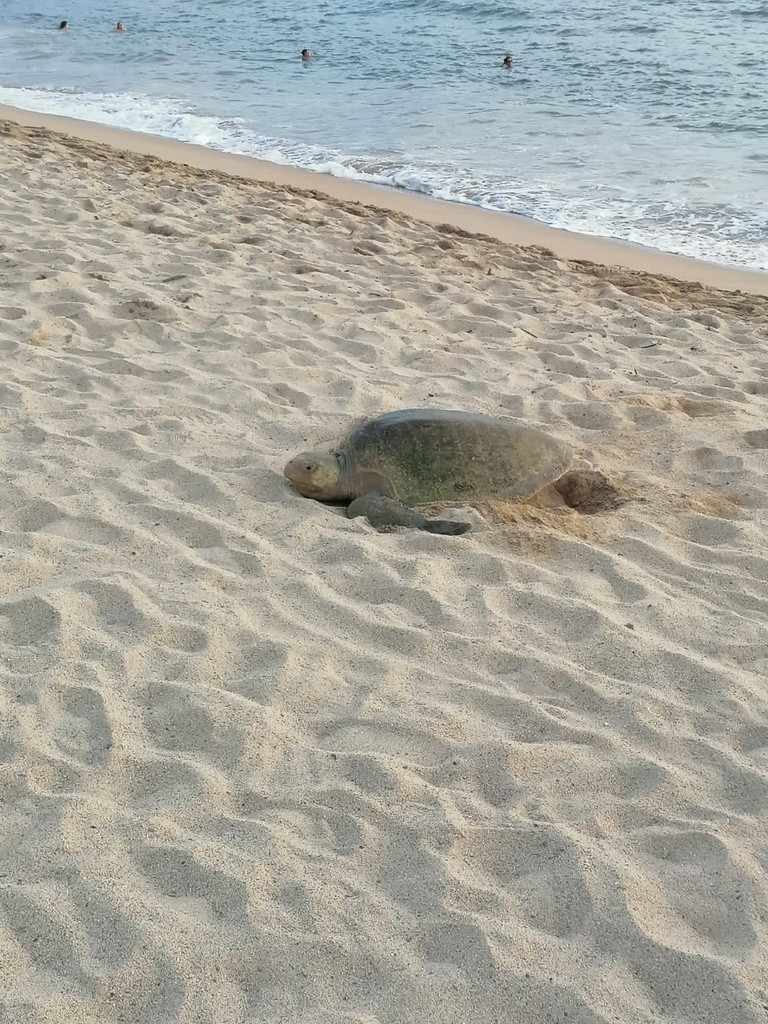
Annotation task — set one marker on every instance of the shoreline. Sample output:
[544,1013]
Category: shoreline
[504,227]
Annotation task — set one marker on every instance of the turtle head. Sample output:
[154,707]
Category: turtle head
[316,475]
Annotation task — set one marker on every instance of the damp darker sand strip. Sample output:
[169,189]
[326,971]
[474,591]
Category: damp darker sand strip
[590,251]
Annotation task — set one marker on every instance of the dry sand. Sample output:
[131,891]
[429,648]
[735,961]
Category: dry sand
[258,762]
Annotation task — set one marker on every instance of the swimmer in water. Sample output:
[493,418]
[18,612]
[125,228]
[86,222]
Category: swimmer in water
[306,54]
[507,62]
[63,26]
[120,27]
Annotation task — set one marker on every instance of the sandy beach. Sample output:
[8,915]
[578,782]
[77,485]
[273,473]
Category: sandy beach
[260,763]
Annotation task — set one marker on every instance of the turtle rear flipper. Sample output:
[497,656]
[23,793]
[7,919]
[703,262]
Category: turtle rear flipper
[383,513]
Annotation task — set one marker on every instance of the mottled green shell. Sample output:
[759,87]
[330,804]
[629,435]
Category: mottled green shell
[426,455]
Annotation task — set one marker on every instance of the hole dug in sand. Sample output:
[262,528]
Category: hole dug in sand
[588,491]
[584,490]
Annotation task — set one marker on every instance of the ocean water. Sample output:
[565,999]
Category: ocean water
[643,120]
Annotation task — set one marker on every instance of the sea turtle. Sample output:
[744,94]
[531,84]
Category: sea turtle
[418,456]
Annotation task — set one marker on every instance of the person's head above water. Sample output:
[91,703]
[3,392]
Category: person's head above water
[306,54]
[120,27]
[64,25]
[507,62]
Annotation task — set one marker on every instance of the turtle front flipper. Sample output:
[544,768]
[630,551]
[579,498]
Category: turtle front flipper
[384,513]
[447,527]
